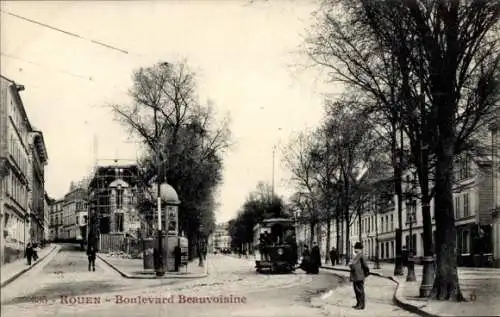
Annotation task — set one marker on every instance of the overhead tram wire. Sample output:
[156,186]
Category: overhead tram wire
[86,78]
[68,33]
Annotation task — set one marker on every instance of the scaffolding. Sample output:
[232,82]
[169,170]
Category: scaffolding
[113,191]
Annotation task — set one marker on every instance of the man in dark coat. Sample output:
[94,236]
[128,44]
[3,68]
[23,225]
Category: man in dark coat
[359,271]
[177,258]
[333,256]
[315,258]
[29,252]
[91,253]
[306,260]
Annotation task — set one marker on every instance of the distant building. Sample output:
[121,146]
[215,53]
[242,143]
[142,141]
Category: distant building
[74,214]
[220,237]
[56,220]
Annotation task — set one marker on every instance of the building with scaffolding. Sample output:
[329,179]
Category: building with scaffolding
[112,211]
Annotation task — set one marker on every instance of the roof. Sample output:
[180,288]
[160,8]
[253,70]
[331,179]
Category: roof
[277,220]
[107,174]
[15,88]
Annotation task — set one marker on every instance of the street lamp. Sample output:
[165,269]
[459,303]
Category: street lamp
[377,261]
[411,206]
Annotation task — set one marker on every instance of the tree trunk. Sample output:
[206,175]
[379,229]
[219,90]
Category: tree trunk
[328,235]
[341,237]
[359,225]
[337,232]
[446,285]
[312,228]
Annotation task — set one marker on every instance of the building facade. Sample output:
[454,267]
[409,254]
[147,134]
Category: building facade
[74,214]
[113,193]
[475,193]
[46,217]
[56,220]
[36,177]
[220,238]
[14,154]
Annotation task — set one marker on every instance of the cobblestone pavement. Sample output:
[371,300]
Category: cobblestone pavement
[108,294]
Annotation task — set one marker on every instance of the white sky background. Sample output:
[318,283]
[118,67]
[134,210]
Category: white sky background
[244,56]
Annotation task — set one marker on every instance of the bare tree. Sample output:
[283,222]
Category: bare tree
[298,159]
[184,142]
[448,50]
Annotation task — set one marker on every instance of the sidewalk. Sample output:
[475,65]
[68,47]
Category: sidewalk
[133,268]
[11,271]
[378,291]
[481,283]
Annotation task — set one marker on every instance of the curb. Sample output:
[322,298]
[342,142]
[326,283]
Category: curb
[408,307]
[139,277]
[17,275]
[395,298]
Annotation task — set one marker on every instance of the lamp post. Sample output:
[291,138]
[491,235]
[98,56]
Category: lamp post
[377,261]
[411,206]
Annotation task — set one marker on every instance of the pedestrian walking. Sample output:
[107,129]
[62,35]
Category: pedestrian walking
[306,260]
[91,253]
[29,252]
[359,271]
[35,251]
[333,256]
[315,258]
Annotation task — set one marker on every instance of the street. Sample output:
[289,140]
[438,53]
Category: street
[64,287]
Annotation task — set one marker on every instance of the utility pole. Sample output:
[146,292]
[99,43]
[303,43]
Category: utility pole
[272,186]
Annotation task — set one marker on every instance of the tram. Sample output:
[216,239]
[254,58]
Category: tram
[275,246]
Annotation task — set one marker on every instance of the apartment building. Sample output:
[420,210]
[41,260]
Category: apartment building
[220,238]
[46,217]
[14,154]
[37,156]
[56,220]
[474,194]
[74,214]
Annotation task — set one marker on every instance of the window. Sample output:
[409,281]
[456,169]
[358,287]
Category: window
[465,242]
[392,222]
[387,250]
[382,224]
[382,250]
[392,248]
[119,198]
[386,223]
[466,205]
[119,222]
[457,207]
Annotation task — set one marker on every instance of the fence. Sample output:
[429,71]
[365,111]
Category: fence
[119,243]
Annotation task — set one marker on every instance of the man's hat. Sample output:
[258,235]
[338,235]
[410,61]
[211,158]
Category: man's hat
[358,246]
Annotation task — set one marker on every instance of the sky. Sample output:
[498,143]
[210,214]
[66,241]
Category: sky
[247,57]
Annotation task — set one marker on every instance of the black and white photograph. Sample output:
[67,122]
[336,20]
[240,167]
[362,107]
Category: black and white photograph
[250,158]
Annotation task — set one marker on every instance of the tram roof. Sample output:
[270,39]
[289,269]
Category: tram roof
[277,220]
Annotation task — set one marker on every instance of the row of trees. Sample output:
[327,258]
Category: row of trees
[184,144]
[260,204]
[421,85]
